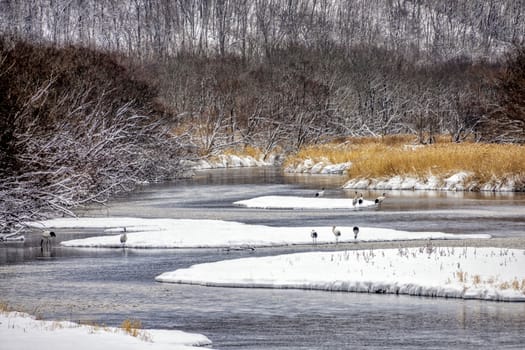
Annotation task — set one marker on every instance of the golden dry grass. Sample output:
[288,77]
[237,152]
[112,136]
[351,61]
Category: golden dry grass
[4,307]
[461,276]
[387,157]
[245,151]
[132,327]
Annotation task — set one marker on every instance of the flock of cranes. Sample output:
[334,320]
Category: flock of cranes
[357,200]
[337,233]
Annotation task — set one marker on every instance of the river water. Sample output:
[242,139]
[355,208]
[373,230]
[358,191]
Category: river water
[107,286]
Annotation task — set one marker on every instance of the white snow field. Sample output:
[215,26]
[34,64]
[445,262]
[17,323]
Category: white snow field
[20,331]
[469,273]
[296,202]
[185,233]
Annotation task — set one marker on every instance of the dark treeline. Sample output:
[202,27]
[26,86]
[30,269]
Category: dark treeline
[96,96]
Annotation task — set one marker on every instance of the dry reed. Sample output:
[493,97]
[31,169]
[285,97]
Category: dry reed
[132,327]
[387,157]
[245,151]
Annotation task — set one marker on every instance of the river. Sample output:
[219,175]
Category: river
[107,286]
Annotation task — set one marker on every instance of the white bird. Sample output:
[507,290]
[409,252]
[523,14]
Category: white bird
[354,201]
[380,199]
[313,234]
[356,232]
[360,199]
[320,193]
[337,234]
[46,238]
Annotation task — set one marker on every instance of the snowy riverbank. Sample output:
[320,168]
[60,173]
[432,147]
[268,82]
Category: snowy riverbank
[309,166]
[230,161]
[460,181]
[182,233]
[469,273]
[456,182]
[21,331]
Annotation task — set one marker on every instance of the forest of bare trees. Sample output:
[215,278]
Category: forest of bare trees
[423,29]
[98,95]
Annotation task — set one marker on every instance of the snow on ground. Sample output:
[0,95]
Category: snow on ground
[12,237]
[296,202]
[456,182]
[184,233]
[321,167]
[469,273]
[460,181]
[230,161]
[20,331]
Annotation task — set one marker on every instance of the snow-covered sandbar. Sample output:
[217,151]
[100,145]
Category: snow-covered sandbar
[22,331]
[185,233]
[468,273]
[296,202]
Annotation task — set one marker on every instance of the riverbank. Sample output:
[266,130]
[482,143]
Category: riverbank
[397,164]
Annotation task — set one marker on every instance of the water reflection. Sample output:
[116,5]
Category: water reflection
[47,252]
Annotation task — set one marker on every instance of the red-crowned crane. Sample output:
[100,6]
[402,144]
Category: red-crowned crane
[337,234]
[354,201]
[46,238]
[313,234]
[380,199]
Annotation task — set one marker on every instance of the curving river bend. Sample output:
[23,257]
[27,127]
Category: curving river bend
[110,285]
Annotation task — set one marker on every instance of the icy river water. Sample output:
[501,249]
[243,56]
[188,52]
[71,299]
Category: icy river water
[107,286]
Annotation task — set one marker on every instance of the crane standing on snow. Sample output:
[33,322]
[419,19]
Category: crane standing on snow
[337,234]
[380,199]
[354,201]
[313,234]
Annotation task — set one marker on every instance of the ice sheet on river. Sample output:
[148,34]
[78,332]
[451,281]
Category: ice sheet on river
[469,273]
[296,202]
[184,233]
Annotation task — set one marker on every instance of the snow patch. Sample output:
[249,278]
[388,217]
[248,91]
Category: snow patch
[229,161]
[468,273]
[456,182]
[321,167]
[295,202]
[185,233]
[22,331]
